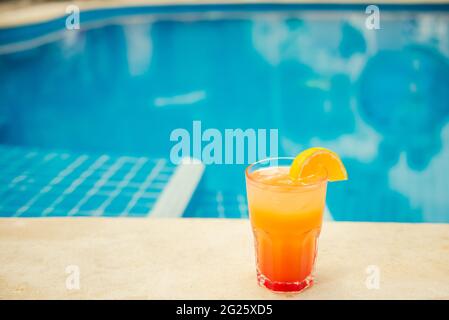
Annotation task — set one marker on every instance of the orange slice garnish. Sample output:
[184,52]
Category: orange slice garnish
[311,162]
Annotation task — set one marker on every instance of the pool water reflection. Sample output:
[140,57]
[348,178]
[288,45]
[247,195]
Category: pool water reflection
[380,98]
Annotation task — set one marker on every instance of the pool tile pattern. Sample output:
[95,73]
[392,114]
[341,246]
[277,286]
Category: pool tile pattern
[37,183]
[218,204]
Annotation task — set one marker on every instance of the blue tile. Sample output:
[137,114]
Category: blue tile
[137,214]
[41,170]
[93,202]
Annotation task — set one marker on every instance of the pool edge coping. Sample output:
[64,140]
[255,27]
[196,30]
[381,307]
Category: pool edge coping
[13,16]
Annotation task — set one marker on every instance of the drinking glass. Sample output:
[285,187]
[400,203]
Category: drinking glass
[286,218]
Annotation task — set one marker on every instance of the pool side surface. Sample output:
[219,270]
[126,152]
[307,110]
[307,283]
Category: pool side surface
[12,14]
[212,259]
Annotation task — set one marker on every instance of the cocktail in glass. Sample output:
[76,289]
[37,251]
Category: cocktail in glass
[286,217]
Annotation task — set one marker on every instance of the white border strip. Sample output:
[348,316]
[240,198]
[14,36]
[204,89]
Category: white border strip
[14,15]
[179,190]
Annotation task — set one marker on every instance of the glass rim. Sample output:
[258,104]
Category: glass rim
[319,181]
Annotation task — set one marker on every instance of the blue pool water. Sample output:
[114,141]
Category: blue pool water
[123,82]
[35,183]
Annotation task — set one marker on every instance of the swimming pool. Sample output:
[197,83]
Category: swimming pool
[129,77]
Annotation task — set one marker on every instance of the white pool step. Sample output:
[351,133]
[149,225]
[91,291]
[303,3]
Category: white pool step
[176,195]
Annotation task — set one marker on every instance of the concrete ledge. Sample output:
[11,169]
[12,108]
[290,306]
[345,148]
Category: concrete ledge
[211,259]
[16,14]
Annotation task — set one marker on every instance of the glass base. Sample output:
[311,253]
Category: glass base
[287,287]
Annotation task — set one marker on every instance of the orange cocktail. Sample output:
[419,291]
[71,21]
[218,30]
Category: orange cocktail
[286,217]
